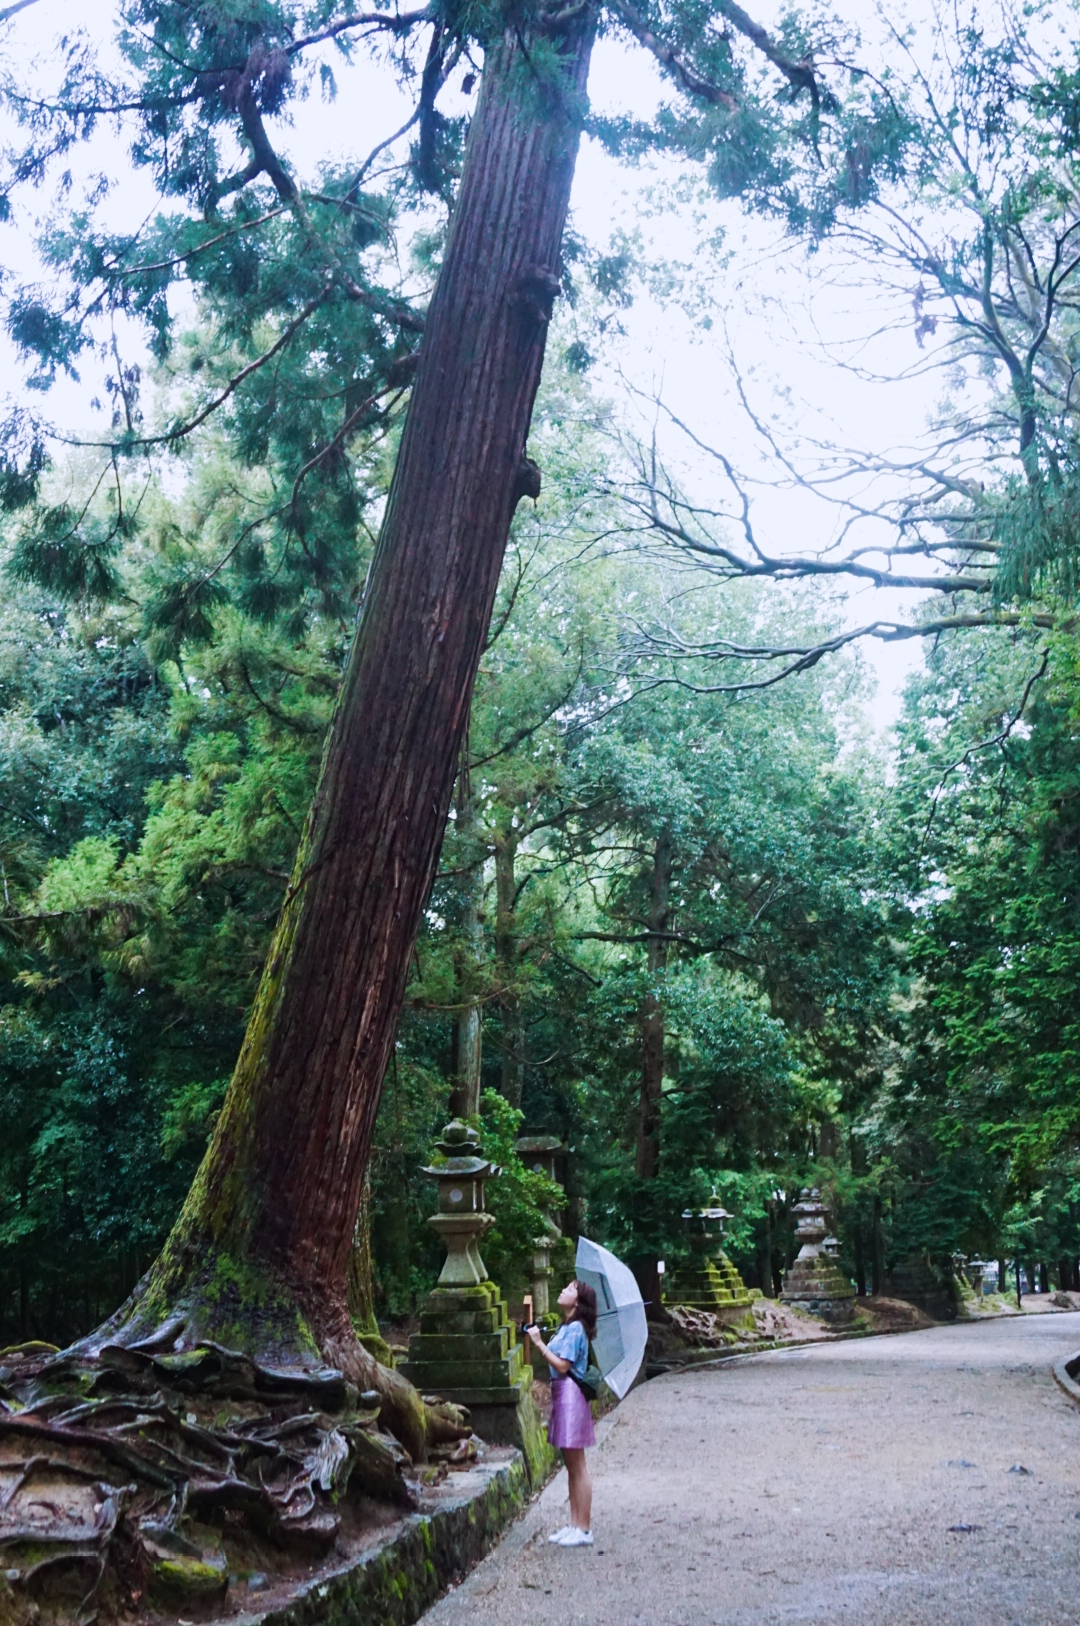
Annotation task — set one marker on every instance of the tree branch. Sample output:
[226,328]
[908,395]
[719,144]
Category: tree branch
[395,22]
[180,431]
[691,81]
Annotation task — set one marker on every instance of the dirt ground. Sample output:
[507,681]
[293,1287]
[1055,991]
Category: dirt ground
[927,1480]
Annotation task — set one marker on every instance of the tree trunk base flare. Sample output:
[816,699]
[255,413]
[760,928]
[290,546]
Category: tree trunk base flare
[131,1462]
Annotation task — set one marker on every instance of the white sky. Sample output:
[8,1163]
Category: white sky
[775,329]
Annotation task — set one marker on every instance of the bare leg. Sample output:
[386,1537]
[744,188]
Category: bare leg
[580,1487]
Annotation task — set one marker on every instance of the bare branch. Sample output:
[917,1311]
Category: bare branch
[800,75]
[802,658]
[395,22]
[691,81]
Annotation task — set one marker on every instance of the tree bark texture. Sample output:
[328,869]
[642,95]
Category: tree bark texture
[765,1254]
[860,1261]
[647,1162]
[260,1252]
[465,1061]
[361,1288]
[651,1024]
[877,1250]
[506,953]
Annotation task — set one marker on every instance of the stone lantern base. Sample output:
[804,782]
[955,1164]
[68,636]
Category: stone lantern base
[710,1283]
[819,1286]
[468,1351]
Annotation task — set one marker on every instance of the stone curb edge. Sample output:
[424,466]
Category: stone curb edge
[1065,1379]
[723,1358]
[401,1577]
[1071,1388]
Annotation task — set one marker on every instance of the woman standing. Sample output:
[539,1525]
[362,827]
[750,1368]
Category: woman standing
[571,1425]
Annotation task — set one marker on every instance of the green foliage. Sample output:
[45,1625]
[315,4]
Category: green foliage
[981,1116]
[863,982]
[519,1198]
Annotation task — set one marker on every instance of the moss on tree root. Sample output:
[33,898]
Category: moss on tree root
[198,1293]
[398,1580]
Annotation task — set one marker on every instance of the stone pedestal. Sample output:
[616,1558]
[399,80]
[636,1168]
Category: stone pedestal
[467,1350]
[708,1280]
[815,1282]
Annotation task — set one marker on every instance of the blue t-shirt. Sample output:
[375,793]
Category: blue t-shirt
[571,1344]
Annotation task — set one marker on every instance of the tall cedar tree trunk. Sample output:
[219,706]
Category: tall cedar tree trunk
[513,1032]
[361,1281]
[258,1258]
[467,1052]
[877,1249]
[651,1023]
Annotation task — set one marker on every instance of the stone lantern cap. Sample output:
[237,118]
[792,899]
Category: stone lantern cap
[713,1210]
[461,1177]
[539,1143]
[460,1146]
[706,1225]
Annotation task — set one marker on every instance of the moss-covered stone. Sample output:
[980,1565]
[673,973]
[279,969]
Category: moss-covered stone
[394,1583]
[709,1282]
[468,1351]
[819,1286]
[179,1582]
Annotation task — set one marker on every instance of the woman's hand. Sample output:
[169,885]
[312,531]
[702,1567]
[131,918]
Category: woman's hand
[556,1362]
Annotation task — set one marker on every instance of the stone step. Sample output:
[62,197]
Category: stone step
[473,1346]
[462,1321]
[437,1377]
[483,1394]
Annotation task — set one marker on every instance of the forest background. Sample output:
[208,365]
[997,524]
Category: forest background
[713,934]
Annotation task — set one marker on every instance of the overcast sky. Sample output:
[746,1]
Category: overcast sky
[781,321]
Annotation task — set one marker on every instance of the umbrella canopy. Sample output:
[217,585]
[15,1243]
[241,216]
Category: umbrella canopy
[621,1332]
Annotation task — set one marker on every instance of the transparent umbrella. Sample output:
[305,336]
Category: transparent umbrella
[621,1332]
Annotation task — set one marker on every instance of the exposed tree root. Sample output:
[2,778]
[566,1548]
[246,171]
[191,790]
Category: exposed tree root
[126,1469]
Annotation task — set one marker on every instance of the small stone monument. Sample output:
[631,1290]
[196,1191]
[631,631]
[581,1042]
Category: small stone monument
[924,1283]
[815,1281]
[467,1350]
[708,1280]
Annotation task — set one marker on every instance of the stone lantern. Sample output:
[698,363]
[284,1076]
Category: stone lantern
[467,1349]
[815,1282]
[462,1219]
[708,1280]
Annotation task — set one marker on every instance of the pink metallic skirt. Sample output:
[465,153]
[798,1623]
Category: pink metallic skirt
[570,1425]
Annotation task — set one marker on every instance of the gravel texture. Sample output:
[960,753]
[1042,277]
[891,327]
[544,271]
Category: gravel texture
[921,1480]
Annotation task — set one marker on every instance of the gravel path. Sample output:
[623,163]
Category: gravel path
[878,1482]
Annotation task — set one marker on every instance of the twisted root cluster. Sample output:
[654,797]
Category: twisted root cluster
[138,1477]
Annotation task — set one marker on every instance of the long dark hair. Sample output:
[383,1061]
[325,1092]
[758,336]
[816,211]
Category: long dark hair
[585,1309]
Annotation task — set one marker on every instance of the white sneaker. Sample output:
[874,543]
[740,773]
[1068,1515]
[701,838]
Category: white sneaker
[576,1538]
[556,1536]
